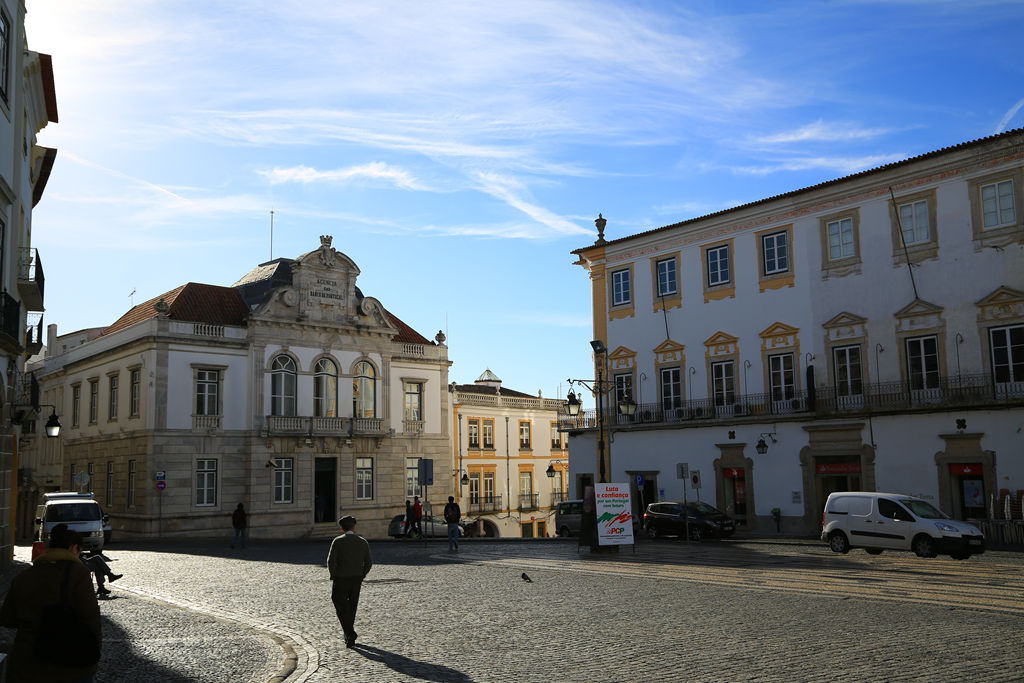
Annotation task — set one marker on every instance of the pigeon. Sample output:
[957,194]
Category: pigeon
[526,578]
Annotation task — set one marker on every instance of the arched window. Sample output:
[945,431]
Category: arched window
[282,386]
[325,388]
[364,391]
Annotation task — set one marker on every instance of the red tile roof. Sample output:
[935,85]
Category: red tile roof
[406,334]
[192,302]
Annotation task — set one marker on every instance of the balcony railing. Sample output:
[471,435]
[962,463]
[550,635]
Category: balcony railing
[957,391]
[559,497]
[282,425]
[33,333]
[482,504]
[528,501]
[206,422]
[31,279]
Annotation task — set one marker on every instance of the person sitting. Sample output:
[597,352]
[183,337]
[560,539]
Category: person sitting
[96,563]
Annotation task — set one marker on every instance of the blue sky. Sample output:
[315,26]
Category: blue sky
[458,151]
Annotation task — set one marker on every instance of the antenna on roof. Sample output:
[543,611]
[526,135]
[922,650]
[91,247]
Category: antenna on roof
[131,297]
[271,234]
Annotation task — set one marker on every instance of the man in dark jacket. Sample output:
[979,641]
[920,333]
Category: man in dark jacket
[348,562]
[452,515]
[239,520]
[58,570]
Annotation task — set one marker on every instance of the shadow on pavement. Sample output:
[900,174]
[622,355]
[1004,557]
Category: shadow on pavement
[410,667]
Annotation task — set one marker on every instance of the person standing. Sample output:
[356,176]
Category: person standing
[417,515]
[57,577]
[408,517]
[240,521]
[452,515]
[348,562]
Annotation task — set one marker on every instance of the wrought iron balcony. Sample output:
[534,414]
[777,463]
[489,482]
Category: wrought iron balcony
[482,504]
[957,391]
[34,334]
[31,279]
[282,425]
[559,497]
[528,501]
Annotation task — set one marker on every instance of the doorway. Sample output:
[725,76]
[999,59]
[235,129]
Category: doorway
[968,484]
[833,477]
[325,487]
[735,493]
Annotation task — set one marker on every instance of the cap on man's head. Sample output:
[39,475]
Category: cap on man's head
[348,522]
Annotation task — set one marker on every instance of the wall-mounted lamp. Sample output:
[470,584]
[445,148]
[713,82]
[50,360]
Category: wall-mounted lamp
[18,414]
[762,445]
[550,471]
[598,346]
[465,479]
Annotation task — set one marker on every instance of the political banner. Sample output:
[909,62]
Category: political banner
[614,514]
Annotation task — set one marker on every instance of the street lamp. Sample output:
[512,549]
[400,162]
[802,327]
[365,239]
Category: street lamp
[762,446]
[52,423]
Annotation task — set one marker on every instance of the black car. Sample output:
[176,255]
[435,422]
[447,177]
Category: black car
[665,519]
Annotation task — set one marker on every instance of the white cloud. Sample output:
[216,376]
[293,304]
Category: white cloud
[821,131]
[374,171]
[1005,121]
[841,165]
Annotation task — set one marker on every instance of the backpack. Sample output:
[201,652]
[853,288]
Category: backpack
[451,513]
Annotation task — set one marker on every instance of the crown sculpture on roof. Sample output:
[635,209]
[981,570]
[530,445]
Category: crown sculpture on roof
[326,252]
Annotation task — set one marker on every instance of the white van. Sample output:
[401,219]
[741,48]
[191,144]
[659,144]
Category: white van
[79,511]
[881,521]
[569,518]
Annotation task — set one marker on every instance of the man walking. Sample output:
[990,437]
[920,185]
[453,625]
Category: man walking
[348,563]
[452,515]
[240,521]
[417,515]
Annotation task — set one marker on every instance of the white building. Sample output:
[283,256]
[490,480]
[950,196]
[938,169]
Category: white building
[510,458]
[290,392]
[795,323]
[27,104]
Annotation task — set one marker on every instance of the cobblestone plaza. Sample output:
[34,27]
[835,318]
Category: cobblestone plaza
[730,611]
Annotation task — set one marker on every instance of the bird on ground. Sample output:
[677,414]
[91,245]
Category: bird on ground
[526,578]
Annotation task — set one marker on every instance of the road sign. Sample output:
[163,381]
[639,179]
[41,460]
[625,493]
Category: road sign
[426,472]
[82,479]
[640,481]
[161,475]
[695,479]
[681,470]
[161,485]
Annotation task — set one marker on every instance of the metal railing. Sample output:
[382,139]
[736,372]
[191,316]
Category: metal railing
[30,272]
[883,397]
[559,497]
[528,501]
[10,317]
[485,503]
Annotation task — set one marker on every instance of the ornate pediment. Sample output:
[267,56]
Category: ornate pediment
[779,335]
[845,319]
[1004,303]
[918,315]
[375,315]
[845,326]
[622,359]
[721,344]
[669,351]
[919,307]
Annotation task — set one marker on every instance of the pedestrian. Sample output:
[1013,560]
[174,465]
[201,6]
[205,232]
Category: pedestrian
[452,515]
[96,563]
[408,517]
[240,521]
[348,563]
[417,515]
[53,608]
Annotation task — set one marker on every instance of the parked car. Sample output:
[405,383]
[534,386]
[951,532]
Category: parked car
[434,527]
[569,518]
[79,511]
[880,521]
[706,521]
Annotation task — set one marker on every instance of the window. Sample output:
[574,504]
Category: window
[556,437]
[134,381]
[671,388]
[282,386]
[94,399]
[489,488]
[922,363]
[623,390]
[5,56]
[474,488]
[488,429]
[108,498]
[412,478]
[473,432]
[723,382]
[526,500]
[780,376]
[131,483]
[775,250]
[667,277]
[914,222]
[1008,354]
[76,404]
[718,265]
[112,387]
[997,205]
[414,401]
[621,294]
[206,482]
[283,474]
[364,391]
[841,243]
[364,478]
[846,360]
[207,386]
[325,388]
[524,435]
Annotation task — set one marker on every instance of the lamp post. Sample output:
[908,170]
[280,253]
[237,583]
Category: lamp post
[599,387]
